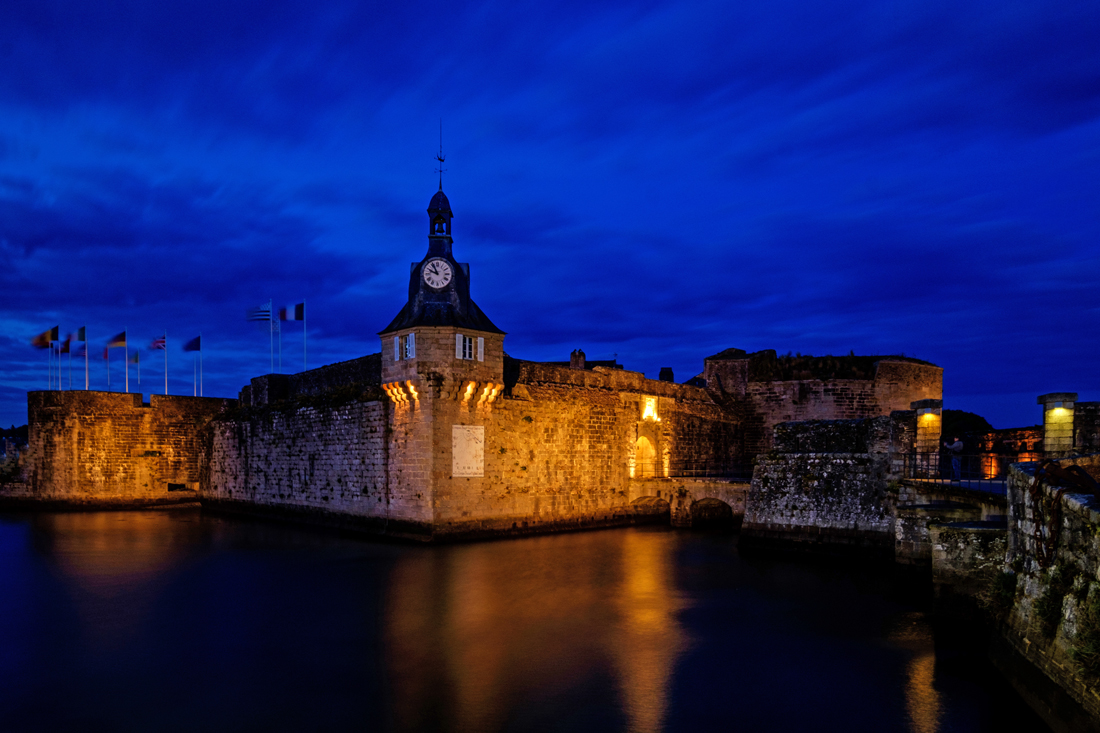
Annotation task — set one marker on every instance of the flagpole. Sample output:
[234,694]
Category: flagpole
[200,363]
[85,358]
[304,329]
[126,359]
[165,363]
[271,334]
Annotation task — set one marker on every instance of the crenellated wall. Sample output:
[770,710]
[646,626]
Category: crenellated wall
[768,389]
[110,447]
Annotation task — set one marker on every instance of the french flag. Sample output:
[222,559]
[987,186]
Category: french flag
[293,313]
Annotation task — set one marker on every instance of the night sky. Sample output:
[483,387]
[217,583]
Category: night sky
[653,182]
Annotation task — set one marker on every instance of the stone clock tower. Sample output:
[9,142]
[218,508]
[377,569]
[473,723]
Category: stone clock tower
[442,369]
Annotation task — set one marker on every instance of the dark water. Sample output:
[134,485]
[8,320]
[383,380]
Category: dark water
[180,621]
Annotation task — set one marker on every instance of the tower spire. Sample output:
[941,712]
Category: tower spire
[440,156]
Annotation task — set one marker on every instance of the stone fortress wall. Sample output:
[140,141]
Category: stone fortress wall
[767,389]
[559,448]
[105,447]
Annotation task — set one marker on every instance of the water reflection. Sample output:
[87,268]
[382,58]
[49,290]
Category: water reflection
[114,564]
[922,700]
[471,632]
[649,637]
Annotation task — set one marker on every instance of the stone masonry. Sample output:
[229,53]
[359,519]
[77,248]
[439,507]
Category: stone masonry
[110,447]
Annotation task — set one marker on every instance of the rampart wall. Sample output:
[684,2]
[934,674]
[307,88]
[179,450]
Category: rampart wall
[108,447]
[329,461]
[767,390]
[1053,617]
[830,482]
[364,372]
[561,443]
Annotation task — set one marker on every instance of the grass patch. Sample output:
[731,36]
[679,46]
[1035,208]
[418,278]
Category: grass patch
[1048,607]
[1085,649]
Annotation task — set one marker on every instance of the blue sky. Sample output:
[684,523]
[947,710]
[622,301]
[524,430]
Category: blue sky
[656,181]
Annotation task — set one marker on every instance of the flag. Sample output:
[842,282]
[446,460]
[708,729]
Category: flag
[259,313]
[160,343]
[119,339]
[66,345]
[81,334]
[293,313]
[136,358]
[80,350]
[42,340]
[194,344]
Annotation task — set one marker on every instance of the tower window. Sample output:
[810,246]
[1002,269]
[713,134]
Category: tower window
[404,347]
[464,347]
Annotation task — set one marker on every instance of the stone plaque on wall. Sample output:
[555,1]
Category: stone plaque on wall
[468,450]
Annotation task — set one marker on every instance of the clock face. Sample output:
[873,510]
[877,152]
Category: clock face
[437,273]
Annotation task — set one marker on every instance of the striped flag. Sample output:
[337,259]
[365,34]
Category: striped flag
[293,313]
[259,313]
[194,344]
[44,339]
[80,350]
[119,339]
[159,343]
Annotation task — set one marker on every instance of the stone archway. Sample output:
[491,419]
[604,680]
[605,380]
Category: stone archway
[645,458]
[711,514]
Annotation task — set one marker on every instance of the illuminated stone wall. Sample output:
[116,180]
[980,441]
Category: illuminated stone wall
[560,444]
[323,460]
[558,447]
[104,447]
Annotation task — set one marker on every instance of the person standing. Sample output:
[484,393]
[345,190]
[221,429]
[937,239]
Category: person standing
[954,449]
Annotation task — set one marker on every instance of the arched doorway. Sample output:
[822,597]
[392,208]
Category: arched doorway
[645,458]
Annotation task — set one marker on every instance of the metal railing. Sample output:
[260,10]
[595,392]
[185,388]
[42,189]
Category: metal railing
[648,468]
[980,471]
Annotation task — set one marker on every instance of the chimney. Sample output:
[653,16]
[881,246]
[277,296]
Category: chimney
[576,359]
[666,374]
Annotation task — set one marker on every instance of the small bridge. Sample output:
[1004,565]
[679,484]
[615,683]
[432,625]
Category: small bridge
[694,501]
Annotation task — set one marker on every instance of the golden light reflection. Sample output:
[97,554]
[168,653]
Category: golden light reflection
[470,387]
[922,699]
[412,390]
[649,410]
[473,630]
[114,562]
[650,639]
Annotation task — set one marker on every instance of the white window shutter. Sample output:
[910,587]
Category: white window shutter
[412,345]
[397,348]
[480,349]
[458,346]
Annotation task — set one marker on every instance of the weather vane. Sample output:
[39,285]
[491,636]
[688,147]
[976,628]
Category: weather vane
[440,157]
